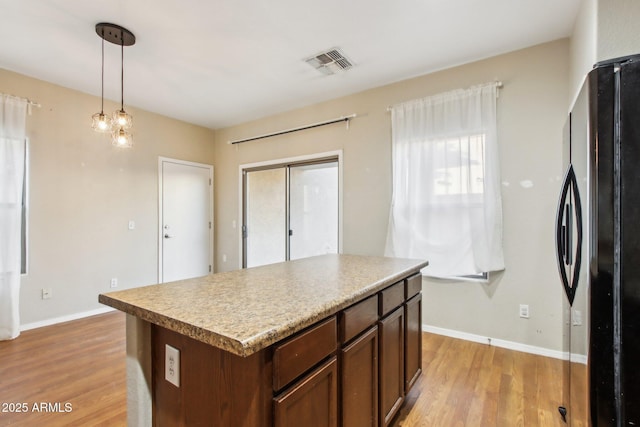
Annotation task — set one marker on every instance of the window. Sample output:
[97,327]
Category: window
[23,231]
[13,115]
[446,204]
[459,168]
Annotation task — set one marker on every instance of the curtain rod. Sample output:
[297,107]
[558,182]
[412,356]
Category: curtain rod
[497,83]
[296,129]
[28,101]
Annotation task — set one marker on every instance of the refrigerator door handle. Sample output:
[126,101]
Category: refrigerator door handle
[569,208]
[563,242]
[569,229]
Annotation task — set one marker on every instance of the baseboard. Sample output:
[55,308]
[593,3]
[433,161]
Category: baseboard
[579,358]
[511,345]
[75,316]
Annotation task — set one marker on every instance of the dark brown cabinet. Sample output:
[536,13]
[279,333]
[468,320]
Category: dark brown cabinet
[359,381]
[312,401]
[351,369]
[391,363]
[413,341]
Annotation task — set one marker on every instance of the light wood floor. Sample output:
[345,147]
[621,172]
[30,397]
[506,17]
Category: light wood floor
[83,363]
[471,384]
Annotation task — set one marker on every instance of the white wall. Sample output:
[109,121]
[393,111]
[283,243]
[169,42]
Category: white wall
[82,194]
[584,46]
[618,22]
[604,29]
[531,109]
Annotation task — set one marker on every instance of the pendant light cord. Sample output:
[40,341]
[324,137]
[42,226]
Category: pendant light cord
[121,71]
[102,80]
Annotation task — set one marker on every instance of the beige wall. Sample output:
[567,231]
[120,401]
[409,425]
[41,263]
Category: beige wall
[531,112]
[83,192]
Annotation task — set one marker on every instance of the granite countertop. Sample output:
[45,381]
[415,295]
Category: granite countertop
[244,311]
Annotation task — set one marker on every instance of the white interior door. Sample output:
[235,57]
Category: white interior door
[186,220]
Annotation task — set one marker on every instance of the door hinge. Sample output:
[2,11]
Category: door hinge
[244,231]
[209,225]
[209,268]
[210,182]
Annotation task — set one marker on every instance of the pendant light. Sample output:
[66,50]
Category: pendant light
[121,121]
[100,121]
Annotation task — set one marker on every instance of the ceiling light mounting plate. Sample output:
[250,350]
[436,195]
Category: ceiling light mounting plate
[115,34]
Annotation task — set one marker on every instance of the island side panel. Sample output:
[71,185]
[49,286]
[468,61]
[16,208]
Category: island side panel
[216,387]
[139,406]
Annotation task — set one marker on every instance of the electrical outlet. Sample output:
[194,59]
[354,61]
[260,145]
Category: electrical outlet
[114,282]
[132,225]
[172,365]
[524,311]
[224,257]
[577,318]
[46,293]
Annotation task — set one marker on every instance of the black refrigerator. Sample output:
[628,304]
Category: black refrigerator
[598,249]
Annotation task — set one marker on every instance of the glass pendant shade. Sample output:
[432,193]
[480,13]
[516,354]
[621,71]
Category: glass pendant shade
[101,122]
[122,138]
[122,119]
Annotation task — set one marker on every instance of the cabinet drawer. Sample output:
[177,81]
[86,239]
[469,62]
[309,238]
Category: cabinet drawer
[358,317]
[414,286]
[391,297]
[295,356]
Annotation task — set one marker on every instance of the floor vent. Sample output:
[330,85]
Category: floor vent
[330,62]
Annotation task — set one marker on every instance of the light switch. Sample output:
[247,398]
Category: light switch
[172,365]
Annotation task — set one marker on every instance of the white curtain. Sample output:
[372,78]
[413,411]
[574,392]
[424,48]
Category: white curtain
[446,205]
[13,112]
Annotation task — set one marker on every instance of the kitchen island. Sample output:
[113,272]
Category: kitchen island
[315,340]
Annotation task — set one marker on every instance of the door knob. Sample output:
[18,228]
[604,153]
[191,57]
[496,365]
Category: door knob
[166,236]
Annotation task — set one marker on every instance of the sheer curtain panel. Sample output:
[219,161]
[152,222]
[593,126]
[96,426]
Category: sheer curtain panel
[446,205]
[13,112]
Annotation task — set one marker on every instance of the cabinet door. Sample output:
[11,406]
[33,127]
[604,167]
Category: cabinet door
[359,381]
[391,330]
[413,340]
[312,402]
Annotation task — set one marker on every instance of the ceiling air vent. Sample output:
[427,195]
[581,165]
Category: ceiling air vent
[330,62]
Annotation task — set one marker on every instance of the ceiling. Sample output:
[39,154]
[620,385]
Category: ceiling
[220,63]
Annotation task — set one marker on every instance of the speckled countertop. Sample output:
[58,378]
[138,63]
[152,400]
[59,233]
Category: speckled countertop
[244,311]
